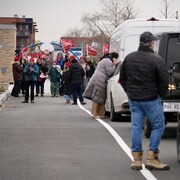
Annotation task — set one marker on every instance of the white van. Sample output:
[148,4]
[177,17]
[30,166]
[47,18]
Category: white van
[125,38]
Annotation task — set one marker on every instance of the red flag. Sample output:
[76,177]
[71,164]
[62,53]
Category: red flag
[105,48]
[66,44]
[91,51]
[42,55]
[23,54]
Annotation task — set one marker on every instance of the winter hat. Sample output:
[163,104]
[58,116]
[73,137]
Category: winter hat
[39,59]
[55,62]
[146,38]
[31,60]
[59,57]
[68,64]
[81,57]
[72,57]
[16,58]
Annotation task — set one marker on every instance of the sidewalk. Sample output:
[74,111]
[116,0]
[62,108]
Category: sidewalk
[4,95]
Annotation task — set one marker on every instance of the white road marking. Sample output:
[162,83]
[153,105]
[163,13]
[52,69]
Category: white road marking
[145,172]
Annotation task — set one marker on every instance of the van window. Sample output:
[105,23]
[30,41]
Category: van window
[156,45]
[173,51]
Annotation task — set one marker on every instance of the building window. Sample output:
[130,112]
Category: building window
[28,41]
[21,27]
[22,42]
[27,28]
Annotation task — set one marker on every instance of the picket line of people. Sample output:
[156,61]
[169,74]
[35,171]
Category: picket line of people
[68,77]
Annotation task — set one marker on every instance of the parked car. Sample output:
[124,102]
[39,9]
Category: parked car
[117,100]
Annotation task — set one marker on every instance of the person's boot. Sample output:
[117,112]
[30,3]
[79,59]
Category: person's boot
[137,163]
[154,163]
[24,101]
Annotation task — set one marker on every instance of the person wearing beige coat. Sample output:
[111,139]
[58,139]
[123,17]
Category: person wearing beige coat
[96,88]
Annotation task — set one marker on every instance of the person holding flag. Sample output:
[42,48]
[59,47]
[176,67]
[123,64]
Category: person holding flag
[66,45]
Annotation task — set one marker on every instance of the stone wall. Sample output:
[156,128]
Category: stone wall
[7,53]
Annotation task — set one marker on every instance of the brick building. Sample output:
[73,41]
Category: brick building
[26,29]
[7,48]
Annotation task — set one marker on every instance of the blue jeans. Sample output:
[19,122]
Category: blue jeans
[68,97]
[153,110]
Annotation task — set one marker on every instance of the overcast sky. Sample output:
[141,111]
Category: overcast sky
[55,17]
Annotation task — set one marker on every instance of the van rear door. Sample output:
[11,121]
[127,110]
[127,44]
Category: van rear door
[172,57]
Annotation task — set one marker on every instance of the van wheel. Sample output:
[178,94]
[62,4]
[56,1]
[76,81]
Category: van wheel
[147,128]
[113,115]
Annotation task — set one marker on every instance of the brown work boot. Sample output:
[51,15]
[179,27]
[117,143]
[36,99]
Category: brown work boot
[137,163]
[154,163]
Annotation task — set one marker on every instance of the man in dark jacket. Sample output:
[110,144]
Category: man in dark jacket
[145,79]
[76,78]
[17,76]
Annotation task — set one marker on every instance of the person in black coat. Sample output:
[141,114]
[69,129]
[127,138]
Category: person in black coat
[144,77]
[66,82]
[90,68]
[17,76]
[76,78]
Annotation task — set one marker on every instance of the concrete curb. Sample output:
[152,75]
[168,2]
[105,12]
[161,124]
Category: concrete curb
[3,97]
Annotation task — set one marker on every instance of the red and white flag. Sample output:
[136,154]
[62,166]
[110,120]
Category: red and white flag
[91,51]
[42,55]
[23,54]
[105,48]
[66,44]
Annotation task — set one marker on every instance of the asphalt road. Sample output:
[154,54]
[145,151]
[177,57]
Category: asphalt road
[53,140]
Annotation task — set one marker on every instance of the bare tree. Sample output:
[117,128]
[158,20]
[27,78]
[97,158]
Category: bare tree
[166,10]
[101,24]
[129,11]
[75,32]
[116,11]
[95,27]
[111,14]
